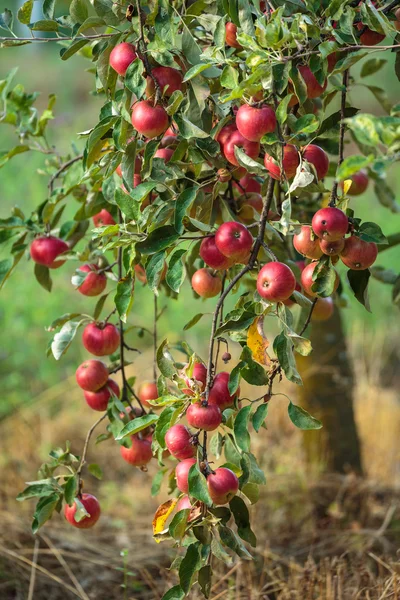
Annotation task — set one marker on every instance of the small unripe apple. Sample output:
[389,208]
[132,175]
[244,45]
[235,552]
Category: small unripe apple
[212,256]
[94,282]
[207,417]
[234,240]
[222,486]
[45,250]
[179,442]
[314,89]
[92,507]
[219,392]
[148,391]
[231,35]
[253,123]
[248,184]
[359,184]
[206,284]
[323,309]
[169,80]
[92,375]
[99,400]
[306,246]
[226,357]
[151,121]
[291,161]
[103,218]
[252,149]
[317,157]
[358,254]
[139,454]
[224,175]
[182,474]
[121,57]
[276,282]
[101,340]
[307,280]
[332,248]
[330,223]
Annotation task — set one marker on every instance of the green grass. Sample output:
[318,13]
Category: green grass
[26,309]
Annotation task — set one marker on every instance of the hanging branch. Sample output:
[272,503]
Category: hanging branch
[141,43]
[155,339]
[61,170]
[306,324]
[334,196]
[84,452]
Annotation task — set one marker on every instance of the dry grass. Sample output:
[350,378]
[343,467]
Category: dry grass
[350,553]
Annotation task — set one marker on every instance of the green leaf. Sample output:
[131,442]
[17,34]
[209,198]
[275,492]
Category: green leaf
[158,239]
[6,19]
[190,564]
[42,275]
[371,232]
[44,25]
[198,486]
[165,361]
[252,371]
[282,110]
[134,80]
[252,492]
[232,325]
[124,297]
[234,378]
[385,194]
[205,579]
[154,269]
[229,77]
[166,419]
[95,470]
[351,165]
[184,200]
[248,163]
[174,593]
[72,49]
[306,124]
[79,10]
[196,70]
[94,143]
[241,428]
[99,306]
[259,416]
[242,519]
[284,350]
[193,321]
[136,425]
[301,418]
[5,269]
[178,524]
[44,511]
[90,23]
[230,539]
[371,66]
[25,12]
[71,489]
[189,130]
[176,270]
[324,277]
[358,281]
[63,339]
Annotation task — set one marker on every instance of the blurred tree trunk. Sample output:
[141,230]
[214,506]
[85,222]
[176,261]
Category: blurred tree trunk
[328,395]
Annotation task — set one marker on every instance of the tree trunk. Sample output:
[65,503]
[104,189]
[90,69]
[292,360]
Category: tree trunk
[328,395]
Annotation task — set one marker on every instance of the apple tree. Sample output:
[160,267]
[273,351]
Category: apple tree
[219,161]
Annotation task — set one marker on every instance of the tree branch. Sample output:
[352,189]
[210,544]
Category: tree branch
[333,199]
[143,54]
[155,339]
[306,324]
[393,240]
[84,452]
[63,168]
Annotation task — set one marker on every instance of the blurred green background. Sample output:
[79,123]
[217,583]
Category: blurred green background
[26,308]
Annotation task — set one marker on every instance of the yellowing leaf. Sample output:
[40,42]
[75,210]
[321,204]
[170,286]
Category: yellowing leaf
[347,185]
[325,200]
[162,514]
[257,342]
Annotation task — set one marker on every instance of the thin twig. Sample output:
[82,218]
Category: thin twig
[58,39]
[308,318]
[155,338]
[143,54]
[33,570]
[341,134]
[85,448]
[63,168]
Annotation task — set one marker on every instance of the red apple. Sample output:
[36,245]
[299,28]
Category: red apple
[253,123]
[248,184]
[148,391]
[291,161]
[234,240]
[307,280]
[101,340]
[207,417]
[92,507]
[305,245]
[222,485]
[151,121]
[169,80]
[358,254]
[224,134]
[45,250]
[231,35]
[219,392]
[165,154]
[206,284]
[182,474]
[317,157]
[199,377]
[139,454]
[94,283]
[276,282]
[332,248]
[103,218]
[359,184]
[330,223]
[92,375]
[121,57]
[314,89]
[252,149]
[99,400]
[323,309]
[179,442]
[184,503]
[212,256]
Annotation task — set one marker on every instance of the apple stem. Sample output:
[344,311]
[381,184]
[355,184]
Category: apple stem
[346,75]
